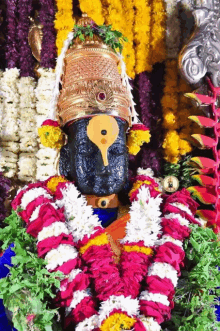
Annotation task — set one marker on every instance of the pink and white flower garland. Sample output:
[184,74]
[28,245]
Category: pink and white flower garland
[65,225]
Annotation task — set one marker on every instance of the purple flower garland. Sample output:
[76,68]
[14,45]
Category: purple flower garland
[11,53]
[48,51]
[25,56]
[150,91]
[4,187]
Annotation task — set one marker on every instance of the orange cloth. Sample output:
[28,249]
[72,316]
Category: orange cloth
[116,232]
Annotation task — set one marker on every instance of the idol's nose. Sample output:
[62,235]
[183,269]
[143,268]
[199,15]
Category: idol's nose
[102,170]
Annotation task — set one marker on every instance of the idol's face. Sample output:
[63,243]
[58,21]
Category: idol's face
[86,164]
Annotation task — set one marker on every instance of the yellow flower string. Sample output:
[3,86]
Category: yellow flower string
[120,14]
[169,108]
[158,33]
[139,249]
[64,22]
[128,51]
[142,29]
[93,8]
[118,322]
[97,241]
[176,110]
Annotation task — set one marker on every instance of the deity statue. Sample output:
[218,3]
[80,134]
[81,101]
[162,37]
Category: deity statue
[120,267]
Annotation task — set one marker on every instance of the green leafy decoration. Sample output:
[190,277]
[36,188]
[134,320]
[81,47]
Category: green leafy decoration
[197,288]
[110,37]
[181,170]
[29,287]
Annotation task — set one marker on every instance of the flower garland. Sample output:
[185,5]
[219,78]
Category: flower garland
[150,110]
[158,32]
[59,242]
[142,35]
[169,107]
[46,156]
[93,9]
[114,12]
[27,100]
[9,134]
[48,51]
[176,108]
[10,111]
[64,22]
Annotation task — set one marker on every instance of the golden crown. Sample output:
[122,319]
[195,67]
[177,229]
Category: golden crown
[91,82]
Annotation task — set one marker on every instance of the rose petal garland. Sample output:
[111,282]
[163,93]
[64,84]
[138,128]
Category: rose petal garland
[60,244]
[46,222]
[156,300]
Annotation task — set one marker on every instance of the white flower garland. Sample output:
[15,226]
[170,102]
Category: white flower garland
[46,157]
[9,129]
[145,220]
[27,129]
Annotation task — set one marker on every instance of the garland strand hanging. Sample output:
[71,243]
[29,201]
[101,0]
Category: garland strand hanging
[46,156]
[158,32]
[93,9]
[64,22]
[142,35]
[27,100]
[10,102]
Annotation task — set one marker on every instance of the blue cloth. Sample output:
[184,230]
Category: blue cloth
[5,259]
[217,311]
[106,216]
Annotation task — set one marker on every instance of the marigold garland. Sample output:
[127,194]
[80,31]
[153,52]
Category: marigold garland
[121,16]
[93,9]
[64,21]
[118,322]
[142,36]
[158,33]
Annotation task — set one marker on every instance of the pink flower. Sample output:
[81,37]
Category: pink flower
[31,317]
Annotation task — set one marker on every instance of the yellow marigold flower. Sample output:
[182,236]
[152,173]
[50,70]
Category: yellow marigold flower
[170,120]
[64,22]
[93,9]
[142,35]
[158,34]
[54,181]
[118,322]
[136,138]
[170,101]
[171,145]
[51,136]
[184,147]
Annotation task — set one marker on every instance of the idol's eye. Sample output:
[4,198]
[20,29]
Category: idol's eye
[84,149]
[118,149]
